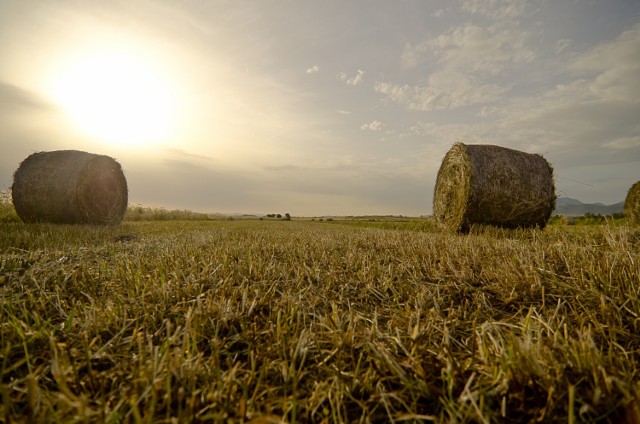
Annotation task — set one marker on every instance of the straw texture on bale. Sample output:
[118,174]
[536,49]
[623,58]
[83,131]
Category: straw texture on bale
[632,204]
[492,185]
[70,187]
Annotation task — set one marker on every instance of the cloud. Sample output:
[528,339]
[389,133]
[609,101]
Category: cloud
[396,92]
[487,51]
[495,9]
[569,134]
[313,70]
[354,80]
[185,154]
[624,50]
[15,98]
[357,79]
[372,126]
[280,168]
[412,55]
[343,112]
[468,65]
[590,119]
[442,91]
[621,83]
[612,68]
[180,165]
[563,44]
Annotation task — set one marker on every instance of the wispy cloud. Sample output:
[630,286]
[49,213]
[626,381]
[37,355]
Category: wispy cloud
[372,126]
[496,9]
[352,80]
[183,153]
[563,44]
[474,49]
[442,91]
[614,67]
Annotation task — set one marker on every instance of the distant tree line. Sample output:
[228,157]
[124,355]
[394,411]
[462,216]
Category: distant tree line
[286,216]
[588,218]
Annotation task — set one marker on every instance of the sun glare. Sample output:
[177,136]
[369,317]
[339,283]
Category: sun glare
[116,98]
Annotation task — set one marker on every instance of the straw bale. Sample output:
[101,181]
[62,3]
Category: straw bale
[632,204]
[493,185]
[70,186]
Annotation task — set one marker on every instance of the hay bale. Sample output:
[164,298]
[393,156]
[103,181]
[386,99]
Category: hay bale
[70,186]
[492,185]
[632,204]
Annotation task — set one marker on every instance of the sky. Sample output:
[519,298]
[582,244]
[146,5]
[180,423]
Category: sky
[316,108]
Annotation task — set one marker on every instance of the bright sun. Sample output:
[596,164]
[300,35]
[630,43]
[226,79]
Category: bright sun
[117,98]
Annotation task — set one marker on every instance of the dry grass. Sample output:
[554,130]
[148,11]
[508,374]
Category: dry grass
[7,211]
[232,321]
[491,185]
[70,187]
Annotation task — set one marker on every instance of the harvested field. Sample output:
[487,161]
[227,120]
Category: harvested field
[231,321]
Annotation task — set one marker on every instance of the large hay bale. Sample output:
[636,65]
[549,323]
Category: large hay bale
[492,185]
[632,204]
[70,186]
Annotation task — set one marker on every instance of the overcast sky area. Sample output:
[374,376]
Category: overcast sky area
[321,107]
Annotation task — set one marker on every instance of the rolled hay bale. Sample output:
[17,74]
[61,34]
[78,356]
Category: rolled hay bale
[492,185]
[632,204]
[70,187]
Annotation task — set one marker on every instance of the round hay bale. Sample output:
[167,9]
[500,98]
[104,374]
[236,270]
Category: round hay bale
[70,187]
[492,185]
[632,204]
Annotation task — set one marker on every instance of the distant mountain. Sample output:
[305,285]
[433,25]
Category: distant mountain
[573,207]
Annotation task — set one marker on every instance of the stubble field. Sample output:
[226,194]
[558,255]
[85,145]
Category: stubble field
[305,321]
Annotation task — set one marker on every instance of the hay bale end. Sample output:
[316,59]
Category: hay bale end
[70,187]
[493,185]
